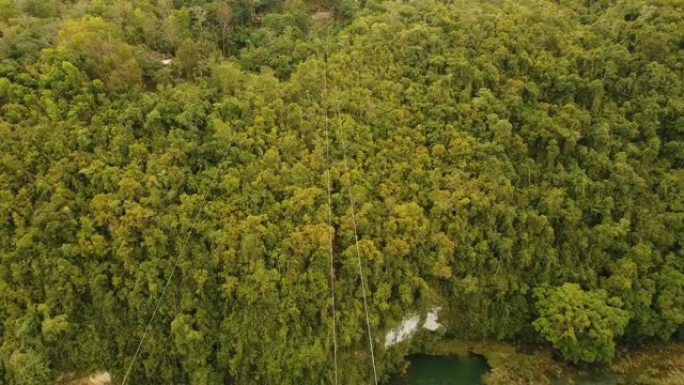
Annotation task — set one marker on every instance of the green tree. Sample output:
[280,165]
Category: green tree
[582,325]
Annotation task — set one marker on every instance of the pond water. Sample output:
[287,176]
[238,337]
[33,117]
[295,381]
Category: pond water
[441,370]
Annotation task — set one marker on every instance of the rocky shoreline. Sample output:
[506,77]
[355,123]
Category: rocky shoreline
[661,364]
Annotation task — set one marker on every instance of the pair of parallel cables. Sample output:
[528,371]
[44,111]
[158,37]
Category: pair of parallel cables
[354,225]
[148,327]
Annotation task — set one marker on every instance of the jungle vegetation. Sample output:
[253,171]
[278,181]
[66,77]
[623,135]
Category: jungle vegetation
[517,162]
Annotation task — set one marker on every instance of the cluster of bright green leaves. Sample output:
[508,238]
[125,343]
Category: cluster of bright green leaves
[582,325]
[494,147]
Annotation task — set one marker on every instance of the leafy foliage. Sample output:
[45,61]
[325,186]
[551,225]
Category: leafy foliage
[497,149]
[582,325]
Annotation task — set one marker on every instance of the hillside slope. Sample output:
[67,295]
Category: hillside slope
[518,163]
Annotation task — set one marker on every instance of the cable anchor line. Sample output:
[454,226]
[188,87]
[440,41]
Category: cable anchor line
[356,241]
[352,205]
[175,266]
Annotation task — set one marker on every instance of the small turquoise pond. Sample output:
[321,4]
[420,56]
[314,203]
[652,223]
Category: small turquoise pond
[440,370]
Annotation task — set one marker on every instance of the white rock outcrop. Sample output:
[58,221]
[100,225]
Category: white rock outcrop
[406,329]
[410,325]
[100,378]
[431,323]
[95,378]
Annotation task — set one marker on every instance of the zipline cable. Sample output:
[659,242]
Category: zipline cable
[175,266]
[330,215]
[356,240]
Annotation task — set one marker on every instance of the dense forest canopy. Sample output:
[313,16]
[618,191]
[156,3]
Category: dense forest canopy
[517,162]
